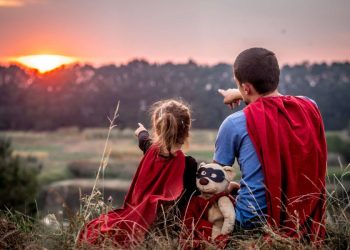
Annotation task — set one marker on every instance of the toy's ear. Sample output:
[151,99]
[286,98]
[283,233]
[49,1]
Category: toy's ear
[233,187]
[201,164]
[230,173]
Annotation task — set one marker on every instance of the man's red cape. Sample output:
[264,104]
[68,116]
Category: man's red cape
[288,135]
[157,179]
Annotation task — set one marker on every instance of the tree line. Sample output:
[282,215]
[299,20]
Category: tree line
[83,95]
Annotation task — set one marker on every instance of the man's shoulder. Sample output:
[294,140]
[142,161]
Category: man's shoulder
[308,99]
[235,122]
[236,117]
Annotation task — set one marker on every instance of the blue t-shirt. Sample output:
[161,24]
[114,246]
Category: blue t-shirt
[233,142]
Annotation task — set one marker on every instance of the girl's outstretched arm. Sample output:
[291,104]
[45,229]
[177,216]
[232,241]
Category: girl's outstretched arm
[143,137]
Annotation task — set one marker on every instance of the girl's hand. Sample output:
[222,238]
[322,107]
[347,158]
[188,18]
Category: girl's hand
[140,129]
[232,97]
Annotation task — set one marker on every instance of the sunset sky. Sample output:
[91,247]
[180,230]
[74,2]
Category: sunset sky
[207,31]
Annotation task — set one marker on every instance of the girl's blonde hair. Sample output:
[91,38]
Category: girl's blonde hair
[171,122]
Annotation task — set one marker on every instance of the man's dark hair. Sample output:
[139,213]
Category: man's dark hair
[259,67]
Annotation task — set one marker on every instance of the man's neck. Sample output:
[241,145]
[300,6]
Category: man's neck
[270,94]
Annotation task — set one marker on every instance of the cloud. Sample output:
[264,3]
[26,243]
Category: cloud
[16,3]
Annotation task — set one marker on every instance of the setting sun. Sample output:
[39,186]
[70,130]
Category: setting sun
[44,63]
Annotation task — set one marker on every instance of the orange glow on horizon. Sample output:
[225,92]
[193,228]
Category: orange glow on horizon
[44,62]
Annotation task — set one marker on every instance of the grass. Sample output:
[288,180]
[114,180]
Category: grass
[53,175]
[18,230]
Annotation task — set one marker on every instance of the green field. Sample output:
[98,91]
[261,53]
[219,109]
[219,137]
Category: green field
[67,147]
[62,150]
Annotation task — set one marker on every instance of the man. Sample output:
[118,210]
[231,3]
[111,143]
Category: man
[279,143]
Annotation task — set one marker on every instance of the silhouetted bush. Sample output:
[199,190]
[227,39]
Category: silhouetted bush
[18,180]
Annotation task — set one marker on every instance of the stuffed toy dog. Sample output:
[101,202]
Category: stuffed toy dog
[212,213]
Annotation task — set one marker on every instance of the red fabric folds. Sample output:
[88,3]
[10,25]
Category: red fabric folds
[197,228]
[157,179]
[288,135]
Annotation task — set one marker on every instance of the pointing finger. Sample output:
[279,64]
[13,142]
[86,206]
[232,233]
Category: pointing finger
[221,91]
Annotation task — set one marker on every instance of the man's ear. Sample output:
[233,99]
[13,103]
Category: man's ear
[201,164]
[230,173]
[246,87]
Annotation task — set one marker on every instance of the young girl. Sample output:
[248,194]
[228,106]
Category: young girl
[164,174]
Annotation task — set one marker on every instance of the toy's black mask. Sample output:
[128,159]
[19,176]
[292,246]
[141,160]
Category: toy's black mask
[213,174]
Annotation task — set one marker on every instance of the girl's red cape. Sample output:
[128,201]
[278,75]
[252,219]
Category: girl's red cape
[158,179]
[288,135]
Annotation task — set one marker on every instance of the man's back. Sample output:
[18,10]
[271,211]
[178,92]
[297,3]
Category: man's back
[293,119]
[233,143]
[288,136]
